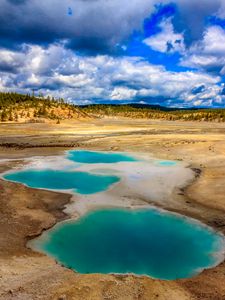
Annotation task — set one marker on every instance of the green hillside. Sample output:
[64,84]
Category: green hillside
[138,111]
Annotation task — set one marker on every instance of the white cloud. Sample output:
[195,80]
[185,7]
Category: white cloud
[94,25]
[221,12]
[73,81]
[61,73]
[213,41]
[208,53]
[101,26]
[166,40]
[123,93]
[10,61]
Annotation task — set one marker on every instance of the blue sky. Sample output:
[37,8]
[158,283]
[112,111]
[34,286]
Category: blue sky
[87,51]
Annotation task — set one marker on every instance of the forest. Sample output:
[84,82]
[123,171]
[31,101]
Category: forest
[138,111]
[16,107]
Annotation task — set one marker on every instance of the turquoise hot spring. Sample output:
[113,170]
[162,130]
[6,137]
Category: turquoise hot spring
[145,241]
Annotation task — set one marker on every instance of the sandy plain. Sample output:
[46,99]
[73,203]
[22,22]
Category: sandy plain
[25,212]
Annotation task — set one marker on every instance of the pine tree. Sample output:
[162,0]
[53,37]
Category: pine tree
[4,116]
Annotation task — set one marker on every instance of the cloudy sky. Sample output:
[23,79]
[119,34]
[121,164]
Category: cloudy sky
[115,51]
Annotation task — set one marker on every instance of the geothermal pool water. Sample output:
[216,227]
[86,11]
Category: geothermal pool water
[93,157]
[73,180]
[150,242]
[80,182]
[140,241]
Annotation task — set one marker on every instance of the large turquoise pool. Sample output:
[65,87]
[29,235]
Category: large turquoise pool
[161,245]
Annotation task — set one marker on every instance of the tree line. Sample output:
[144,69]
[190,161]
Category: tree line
[148,112]
[15,107]
[19,107]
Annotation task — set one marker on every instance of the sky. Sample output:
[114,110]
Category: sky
[115,51]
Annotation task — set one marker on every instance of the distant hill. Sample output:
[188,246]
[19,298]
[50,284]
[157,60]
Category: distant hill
[146,111]
[158,107]
[16,107]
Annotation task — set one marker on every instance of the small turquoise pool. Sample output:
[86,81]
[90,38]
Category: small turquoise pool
[161,245]
[79,182]
[92,157]
[166,163]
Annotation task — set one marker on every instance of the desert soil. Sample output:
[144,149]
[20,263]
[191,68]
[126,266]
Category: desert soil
[26,212]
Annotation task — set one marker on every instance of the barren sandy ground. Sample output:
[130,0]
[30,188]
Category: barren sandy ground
[25,212]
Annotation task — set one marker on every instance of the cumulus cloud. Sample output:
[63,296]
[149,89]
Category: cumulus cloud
[208,53]
[191,17]
[94,26]
[73,49]
[102,77]
[166,40]
[10,61]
